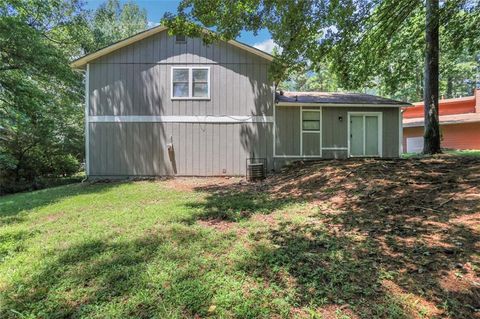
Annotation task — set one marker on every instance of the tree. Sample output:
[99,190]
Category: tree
[39,93]
[41,98]
[431,135]
[112,22]
[360,40]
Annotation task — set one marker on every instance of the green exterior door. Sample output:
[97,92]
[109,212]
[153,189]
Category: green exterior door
[364,135]
[356,135]
[371,136]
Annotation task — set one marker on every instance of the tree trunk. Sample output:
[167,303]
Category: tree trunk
[430,94]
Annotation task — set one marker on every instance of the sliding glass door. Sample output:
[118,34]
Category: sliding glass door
[365,134]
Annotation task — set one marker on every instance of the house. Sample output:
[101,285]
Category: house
[170,105]
[459,124]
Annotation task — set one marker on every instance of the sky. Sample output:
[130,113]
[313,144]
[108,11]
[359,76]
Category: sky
[156,8]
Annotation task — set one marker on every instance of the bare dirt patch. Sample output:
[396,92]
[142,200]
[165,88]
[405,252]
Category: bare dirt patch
[420,218]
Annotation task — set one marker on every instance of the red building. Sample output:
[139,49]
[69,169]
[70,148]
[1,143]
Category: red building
[459,124]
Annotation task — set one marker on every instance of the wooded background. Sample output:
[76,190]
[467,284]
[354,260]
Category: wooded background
[373,46]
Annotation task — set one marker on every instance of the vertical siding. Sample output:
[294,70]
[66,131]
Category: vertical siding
[121,149]
[287,133]
[144,89]
[136,80]
[334,131]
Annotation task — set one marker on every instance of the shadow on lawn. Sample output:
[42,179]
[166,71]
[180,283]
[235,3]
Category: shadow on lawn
[237,202]
[12,206]
[396,239]
[107,278]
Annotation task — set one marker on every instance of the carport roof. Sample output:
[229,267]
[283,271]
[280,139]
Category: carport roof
[327,98]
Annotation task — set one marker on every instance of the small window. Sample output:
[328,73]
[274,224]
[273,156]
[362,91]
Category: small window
[311,121]
[191,83]
[180,38]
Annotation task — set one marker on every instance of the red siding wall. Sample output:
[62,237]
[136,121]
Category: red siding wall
[446,107]
[465,136]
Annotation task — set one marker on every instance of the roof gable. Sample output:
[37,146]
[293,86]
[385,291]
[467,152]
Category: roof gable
[82,61]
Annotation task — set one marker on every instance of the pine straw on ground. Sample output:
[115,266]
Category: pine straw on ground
[409,232]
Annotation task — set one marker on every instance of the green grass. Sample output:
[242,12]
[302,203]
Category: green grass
[124,250]
[147,250]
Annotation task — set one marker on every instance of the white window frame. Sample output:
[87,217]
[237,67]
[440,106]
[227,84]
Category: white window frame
[190,82]
[379,116]
[302,131]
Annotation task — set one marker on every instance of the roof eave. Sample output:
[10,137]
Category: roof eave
[280,103]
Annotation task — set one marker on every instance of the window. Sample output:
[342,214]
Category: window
[180,82]
[180,38]
[200,82]
[191,83]
[311,121]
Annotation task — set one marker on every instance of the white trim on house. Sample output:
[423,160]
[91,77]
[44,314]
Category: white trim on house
[335,148]
[274,126]
[87,120]
[181,119]
[190,82]
[297,156]
[299,104]
[380,132]
[275,155]
[400,132]
[302,131]
[81,62]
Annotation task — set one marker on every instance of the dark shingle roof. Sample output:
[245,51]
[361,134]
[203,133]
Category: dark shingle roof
[336,98]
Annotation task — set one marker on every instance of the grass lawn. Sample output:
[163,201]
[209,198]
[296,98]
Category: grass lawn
[329,239]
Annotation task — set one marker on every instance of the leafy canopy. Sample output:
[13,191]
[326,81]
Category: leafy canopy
[41,98]
[364,43]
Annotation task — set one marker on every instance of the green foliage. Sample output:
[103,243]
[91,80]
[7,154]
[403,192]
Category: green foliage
[112,22]
[383,48]
[355,45]
[41,97]
[323,80]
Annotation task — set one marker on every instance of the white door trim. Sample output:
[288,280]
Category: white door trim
[87,121]
[379,115]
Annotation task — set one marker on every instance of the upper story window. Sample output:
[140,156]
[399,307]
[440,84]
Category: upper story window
[191,83]
[180,38]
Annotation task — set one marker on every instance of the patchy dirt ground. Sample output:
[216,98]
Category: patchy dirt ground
[411,230]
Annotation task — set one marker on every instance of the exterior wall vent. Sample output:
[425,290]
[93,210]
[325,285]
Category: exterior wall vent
[180,38]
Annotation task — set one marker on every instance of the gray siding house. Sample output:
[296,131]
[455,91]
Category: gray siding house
[170,105]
